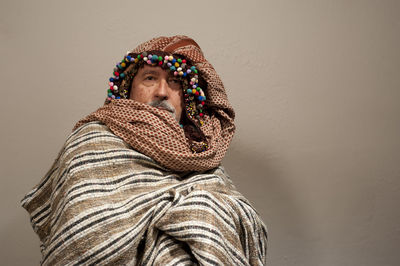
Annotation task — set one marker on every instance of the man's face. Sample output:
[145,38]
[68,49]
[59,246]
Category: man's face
[155,86]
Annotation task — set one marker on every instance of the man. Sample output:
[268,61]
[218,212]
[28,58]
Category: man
[140,181]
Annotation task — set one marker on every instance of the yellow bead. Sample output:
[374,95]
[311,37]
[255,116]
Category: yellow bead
[123,64]
[136,60]
[170,58]
[176,64]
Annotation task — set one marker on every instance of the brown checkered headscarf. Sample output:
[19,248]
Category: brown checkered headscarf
[156,133]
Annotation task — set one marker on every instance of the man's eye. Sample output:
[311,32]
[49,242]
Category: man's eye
[149,78]
[174,80]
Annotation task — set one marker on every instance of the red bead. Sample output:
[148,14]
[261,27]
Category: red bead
[116,73]
[202,103]
[184,61]
[197,93]
[160,63]
[201,114]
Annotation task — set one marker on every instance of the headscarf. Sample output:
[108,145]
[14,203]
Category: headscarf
[157,134]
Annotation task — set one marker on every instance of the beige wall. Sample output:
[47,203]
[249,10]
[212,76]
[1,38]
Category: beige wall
[316,88]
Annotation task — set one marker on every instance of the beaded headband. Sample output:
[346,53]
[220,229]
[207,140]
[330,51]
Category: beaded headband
[125,71]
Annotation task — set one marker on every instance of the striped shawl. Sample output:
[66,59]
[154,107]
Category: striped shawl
[103,203]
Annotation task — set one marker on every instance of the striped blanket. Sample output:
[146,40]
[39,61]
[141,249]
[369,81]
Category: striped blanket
[103,203]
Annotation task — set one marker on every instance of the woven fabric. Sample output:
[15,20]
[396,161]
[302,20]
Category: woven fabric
[157,135]
[103,203]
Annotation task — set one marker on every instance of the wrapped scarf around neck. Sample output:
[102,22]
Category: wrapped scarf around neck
[156,133]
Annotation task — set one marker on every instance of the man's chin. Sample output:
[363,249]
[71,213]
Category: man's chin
[173,114]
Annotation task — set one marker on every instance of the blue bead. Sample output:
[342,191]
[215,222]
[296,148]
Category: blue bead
[155,57]
[189,91]
[184,74]
[173,61]
[110,94]
[193,68]
[129,58]
[111,79]
[122,75]
[118,97]
[173,68]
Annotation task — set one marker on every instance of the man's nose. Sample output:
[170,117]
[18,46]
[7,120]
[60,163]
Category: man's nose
[162,90]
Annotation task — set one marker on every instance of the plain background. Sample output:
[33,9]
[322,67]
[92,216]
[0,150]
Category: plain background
[315,86]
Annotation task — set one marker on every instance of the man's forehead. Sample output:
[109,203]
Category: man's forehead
[153,70]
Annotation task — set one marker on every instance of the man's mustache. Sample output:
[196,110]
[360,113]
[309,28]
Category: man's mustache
[163,104]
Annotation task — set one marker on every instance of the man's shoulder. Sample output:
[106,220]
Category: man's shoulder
[91,137]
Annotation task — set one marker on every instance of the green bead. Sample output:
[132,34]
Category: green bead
[109,90]
[179,60]
[160,58]
[198,89]
[195,71]
[138,57]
